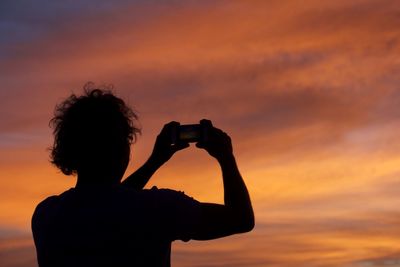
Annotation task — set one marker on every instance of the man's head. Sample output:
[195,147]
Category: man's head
[93,134]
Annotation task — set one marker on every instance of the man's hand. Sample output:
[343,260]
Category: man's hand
[163,148]
[218,144]
[162,152]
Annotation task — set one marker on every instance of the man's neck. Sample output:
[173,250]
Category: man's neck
[95,181]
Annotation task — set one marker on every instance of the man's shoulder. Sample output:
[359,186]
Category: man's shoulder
[165,197]
[49,203]
[42,211]
[167,193]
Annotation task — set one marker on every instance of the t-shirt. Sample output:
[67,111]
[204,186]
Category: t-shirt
[115,226]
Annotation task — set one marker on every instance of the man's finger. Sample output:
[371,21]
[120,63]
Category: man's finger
[200,145]
[169,125]
[180,146]
[168,128]
[205,122]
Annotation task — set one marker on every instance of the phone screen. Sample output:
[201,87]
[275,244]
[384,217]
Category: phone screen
[189,133]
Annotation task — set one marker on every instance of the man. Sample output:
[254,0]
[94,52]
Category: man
[105,222]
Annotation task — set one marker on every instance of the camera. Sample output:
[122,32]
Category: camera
[188,133]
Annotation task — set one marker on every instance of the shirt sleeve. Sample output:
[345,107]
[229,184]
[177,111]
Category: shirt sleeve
[179,214]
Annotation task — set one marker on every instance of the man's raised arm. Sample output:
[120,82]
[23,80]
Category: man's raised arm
[236,215]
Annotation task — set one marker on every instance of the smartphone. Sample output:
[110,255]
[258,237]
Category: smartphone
[189,133]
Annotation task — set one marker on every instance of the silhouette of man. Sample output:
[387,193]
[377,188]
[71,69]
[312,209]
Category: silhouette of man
[105,222]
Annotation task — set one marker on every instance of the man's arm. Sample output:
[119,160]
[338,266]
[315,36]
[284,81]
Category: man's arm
[236,215]
[163,150]
[141,176]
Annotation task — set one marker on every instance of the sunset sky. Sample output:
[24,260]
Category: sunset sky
[308,90]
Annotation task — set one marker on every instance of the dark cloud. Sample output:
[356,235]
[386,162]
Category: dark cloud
[354,16]
[17,251]
[24,20]
[390,259]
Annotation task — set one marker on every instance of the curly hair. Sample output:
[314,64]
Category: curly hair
[95,127]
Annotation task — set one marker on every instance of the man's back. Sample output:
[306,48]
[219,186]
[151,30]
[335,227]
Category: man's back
[114,226]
